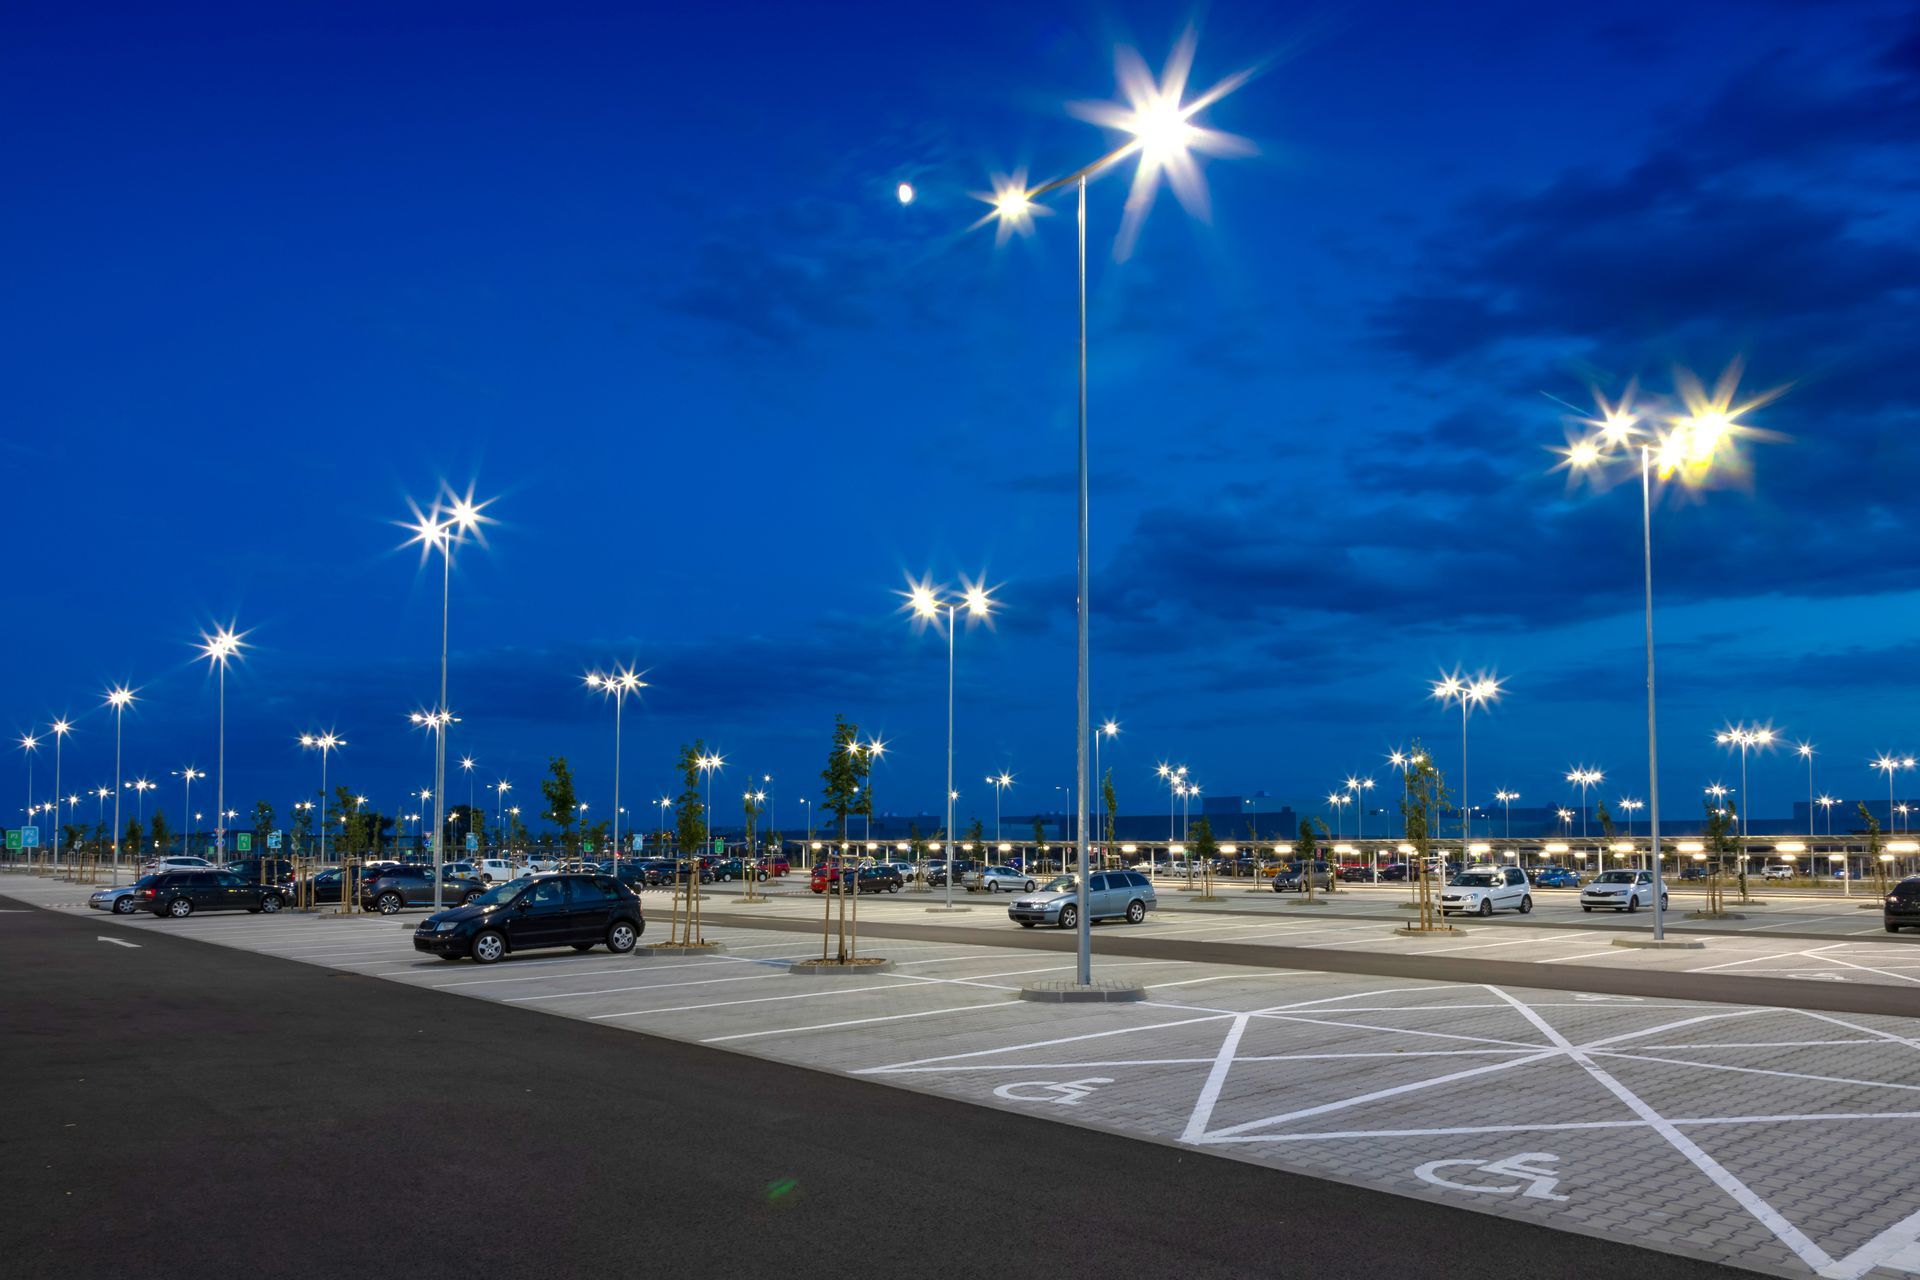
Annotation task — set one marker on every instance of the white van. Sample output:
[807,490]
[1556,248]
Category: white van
[493,870]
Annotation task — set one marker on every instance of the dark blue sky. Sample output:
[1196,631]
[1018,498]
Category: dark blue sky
[639,274]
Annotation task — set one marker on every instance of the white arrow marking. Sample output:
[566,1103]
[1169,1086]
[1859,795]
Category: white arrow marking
[118,942]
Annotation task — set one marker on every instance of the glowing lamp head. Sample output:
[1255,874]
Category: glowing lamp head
[904,193]
[1161,128]
[978,602]
[119,697]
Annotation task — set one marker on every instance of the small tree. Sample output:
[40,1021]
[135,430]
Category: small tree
[131,840]
[1040,838]
[1423,799]
[303,826]
[1205,847]
[1875,867]
[846,769]
[161,832]
[916,842]
[1605,817]
[976,833]
[1723,839]
[752,811]
[262,823]
[563,806]
[691,827]
[1111,803]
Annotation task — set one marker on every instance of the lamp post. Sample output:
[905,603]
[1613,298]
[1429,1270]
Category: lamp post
[1357,788]
[30,743]
[1175,776]
[327,743]
[1826,803]
[436,722]
[1805,751]
[1566,820]
[1110,728]
[1695,443]
[1583,778]
[450,522]
[1630,806]
[218,649]
[927,605]
[1480,690]
[1163,135]
[1404,762]
[1745,737]
[60,729]
[999,782]
[1338,799]
[500,790]
[187,777]
[1888,764]
[616,685]
[1506,799]
[120,697]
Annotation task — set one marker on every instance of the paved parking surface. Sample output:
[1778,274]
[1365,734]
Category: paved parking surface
[1764,1136]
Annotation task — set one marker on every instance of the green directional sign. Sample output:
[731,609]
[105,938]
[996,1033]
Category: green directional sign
[719,846]
[245,841]
[13,839]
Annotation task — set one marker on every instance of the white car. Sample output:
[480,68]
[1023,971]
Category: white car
[492,869]
[1620,890]
[1485,890]
[176,864]
[1777,873]
[996,879]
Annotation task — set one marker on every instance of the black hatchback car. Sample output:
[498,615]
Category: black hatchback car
[578,911]
[1903,905]
[392,888]
[181,893]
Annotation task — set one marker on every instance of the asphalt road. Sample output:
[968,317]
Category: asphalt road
[180,1109]
[1114,940]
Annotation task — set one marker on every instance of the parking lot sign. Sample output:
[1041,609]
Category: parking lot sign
[244,841]
[719,847]
[273,839]
[13,839]
[473,842]
[30,837]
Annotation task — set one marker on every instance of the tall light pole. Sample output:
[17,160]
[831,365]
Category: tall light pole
[1163,135]
[1338,799]
[1805,751]
[60,728]
[1888,764]
[1583,777]
[1695,444]
[1357,788]
[500,790]
[120,697]
[1109,728]
[327,743]
[450,522]
[999,782]
[927,605]
[1826,803]
[219,649]
[1745,737]
[1506,799]
[29,743]
[1404,762]
[1630,806]
[709,764]
[1469,693]
[436,723]
[616,685]
[1175,776]
[187,776]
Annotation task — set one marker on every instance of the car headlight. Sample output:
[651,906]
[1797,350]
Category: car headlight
[446,926]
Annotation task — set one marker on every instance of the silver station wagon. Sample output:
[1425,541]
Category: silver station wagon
[1111,895]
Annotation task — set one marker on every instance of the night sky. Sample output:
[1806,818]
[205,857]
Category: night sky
[638,275]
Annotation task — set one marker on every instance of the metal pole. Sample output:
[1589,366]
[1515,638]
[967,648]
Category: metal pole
[57,738]
[220,783]
[1653,740]
[440,746]
[619,701]
[950,841]
[119,714]
[1084,973]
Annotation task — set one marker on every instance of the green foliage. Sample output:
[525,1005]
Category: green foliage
[162,834]
[303,826]
[843,796]
[262,823]
[1111,804]
[752,811]
[1308,844]
[1721,829]
[131,841]
[1604,817]
[976,832]
[563,806]
[1873,833]
[692,814]
[916,841]
[1205,846]
[1423,799]
[1039,830]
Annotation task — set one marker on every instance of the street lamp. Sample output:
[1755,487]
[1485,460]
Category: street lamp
[1805,751]
[616,685]
[999,782]
[1566,820]
[1339,799]
[1175,777]
[448,523]
[187,777]
[436,722]
[1888,765]
[1827,802]
[1163,135]
[709,764]
[1583,777]
[1357,787]
[1480,690]
[1630,806]
[1110,728]
[1756,737]
[30,743]
[120,697]
[500,790]
[327,743]
[1403,761]
[926,604]
[1705,437]
[1506,799]
[60,728]
[218,649]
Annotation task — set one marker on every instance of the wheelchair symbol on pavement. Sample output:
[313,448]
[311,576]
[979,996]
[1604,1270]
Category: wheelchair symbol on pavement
[1067,1093]
[1535,1181]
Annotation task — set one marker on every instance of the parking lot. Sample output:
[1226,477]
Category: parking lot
[1761,1133]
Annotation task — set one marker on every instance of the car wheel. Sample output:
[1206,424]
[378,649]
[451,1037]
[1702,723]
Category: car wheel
[1663,902]
[894,887]
[387,904]
[1136,911]
[1892,927]
[123,906]
[1069,916]
[179,908]
[1526,903]
[1585,907]
[470,897]
[270,903]
[1030,886]
[1633,904]
[1486,906]
[621,937]
[488,946]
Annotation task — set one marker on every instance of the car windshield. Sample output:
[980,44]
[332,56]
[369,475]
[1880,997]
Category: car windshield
[1615,877]
[1473,879]
[1060,884]
[501,894]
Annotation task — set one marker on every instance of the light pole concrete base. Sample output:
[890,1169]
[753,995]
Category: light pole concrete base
[1099,991]
[1660,944]
[1869,906]
[858,966]
[1301,902]
[956,910]
[1415,931]
[334,913]
[680,949]
[1715,915]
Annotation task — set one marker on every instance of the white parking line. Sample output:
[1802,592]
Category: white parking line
[862,1022]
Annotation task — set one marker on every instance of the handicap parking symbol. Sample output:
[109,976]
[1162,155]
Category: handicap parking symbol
[1067,1093]
[1524,1175]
